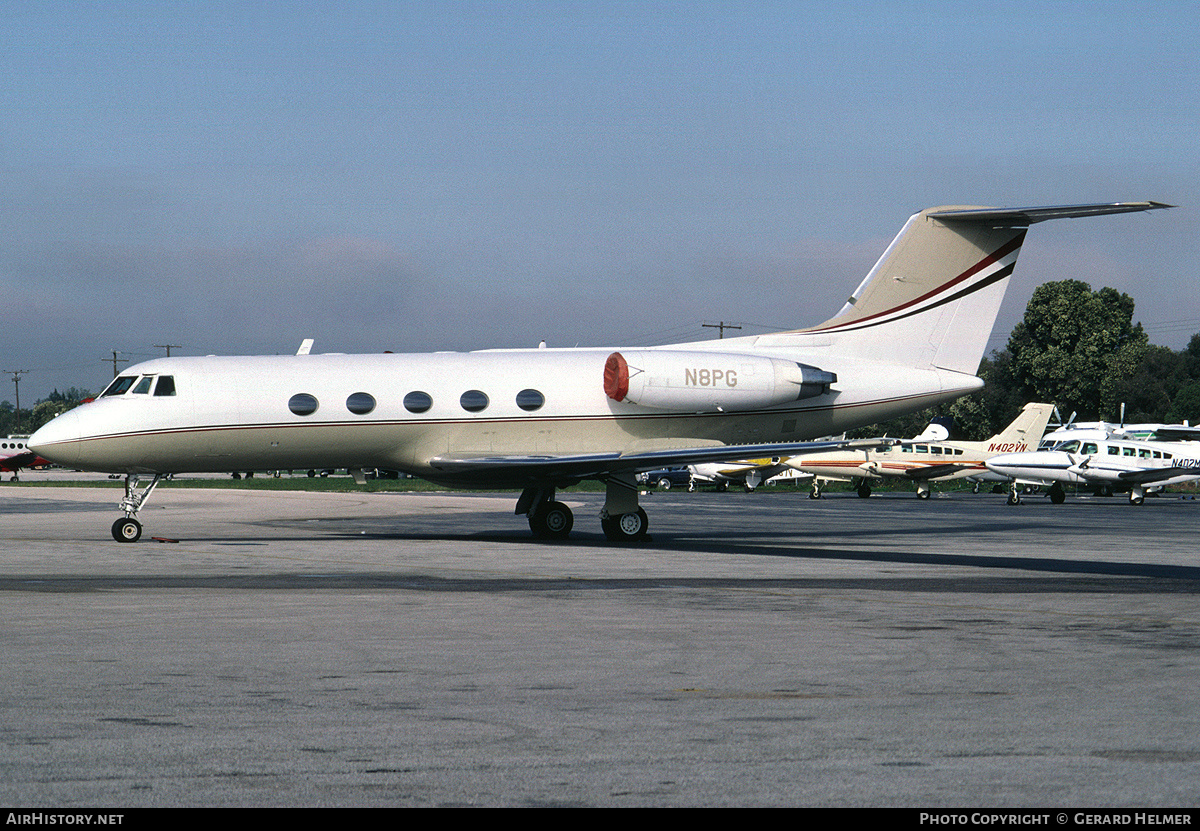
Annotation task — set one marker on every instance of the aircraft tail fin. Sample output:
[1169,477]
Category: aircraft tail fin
[1025,432]
[937,430]
[933,297]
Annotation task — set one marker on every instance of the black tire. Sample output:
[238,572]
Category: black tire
[127,529]
[552,521]
[626,527]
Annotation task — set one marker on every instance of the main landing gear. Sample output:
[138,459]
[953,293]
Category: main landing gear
[621,519]
[128,529]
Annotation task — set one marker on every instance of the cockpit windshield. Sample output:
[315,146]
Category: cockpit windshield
[142,385]
[119,386]
[1067,446]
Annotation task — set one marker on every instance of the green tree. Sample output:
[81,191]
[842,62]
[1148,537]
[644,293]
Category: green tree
[1076,346]
[1186,405]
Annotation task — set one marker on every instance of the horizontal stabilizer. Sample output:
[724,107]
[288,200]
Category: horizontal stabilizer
[1028,216]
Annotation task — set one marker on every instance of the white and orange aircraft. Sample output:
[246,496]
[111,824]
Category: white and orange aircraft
[910,336]
[927,458]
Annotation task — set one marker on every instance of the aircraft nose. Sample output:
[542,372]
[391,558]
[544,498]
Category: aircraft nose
[58,439]
[1000,464]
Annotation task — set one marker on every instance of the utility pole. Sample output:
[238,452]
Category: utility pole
[115,360]
[167,346]
[722,326]
[16,374]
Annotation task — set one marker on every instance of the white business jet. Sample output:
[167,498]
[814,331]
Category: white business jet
[910,336]
[927,458]
[1114,462]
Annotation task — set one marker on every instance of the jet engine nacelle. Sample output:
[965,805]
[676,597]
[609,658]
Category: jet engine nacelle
[709,381]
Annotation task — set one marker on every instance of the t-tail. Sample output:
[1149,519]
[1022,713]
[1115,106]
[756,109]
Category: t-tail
[933,297]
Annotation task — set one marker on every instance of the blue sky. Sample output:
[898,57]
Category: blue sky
[233,178]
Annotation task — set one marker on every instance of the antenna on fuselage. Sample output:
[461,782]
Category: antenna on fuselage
[305,346]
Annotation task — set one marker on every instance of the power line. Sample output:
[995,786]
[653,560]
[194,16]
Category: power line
[115,360]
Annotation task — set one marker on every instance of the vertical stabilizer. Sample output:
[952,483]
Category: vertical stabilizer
[933,297]
[1025,432]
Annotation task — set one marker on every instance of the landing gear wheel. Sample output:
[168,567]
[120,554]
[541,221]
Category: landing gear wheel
[127,529]
[552,520]
[1057,496]
[864,491]
[1014,498]
[626,527]
[925,494]
[1136,500]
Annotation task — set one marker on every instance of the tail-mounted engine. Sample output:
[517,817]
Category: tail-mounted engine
[709,381]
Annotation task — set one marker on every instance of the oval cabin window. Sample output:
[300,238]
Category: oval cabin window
[360,403]
[530,400]
[417,402]
[473,401]
[302,404]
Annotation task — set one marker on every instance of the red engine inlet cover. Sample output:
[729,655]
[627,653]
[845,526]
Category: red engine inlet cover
[616,377]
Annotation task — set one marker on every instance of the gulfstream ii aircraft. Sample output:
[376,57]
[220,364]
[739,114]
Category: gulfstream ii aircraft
[910,336]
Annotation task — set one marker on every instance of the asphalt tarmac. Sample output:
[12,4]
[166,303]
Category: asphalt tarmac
[762,649]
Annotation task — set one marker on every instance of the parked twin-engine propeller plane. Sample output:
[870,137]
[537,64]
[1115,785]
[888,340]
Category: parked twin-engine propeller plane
[911,335]
[927,458]
[1113,462]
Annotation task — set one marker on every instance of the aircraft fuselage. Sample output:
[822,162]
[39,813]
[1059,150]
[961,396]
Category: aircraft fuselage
[402,412]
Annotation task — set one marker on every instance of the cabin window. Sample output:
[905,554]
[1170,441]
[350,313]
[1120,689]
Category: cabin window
[530,400]
[1143,454]
[935,450]
[120,386]
[360,403]
[166,385]
[302,404]
[473,401]
[143,386]
[1089,448]
[1114,451]
[1157,454]
[1128,451]
[417,402]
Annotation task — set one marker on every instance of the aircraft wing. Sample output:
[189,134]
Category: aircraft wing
[1177,432]
[599,464]
[935,471]
[1157,474]
[18,460]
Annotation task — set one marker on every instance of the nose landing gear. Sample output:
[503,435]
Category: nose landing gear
[128,529]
